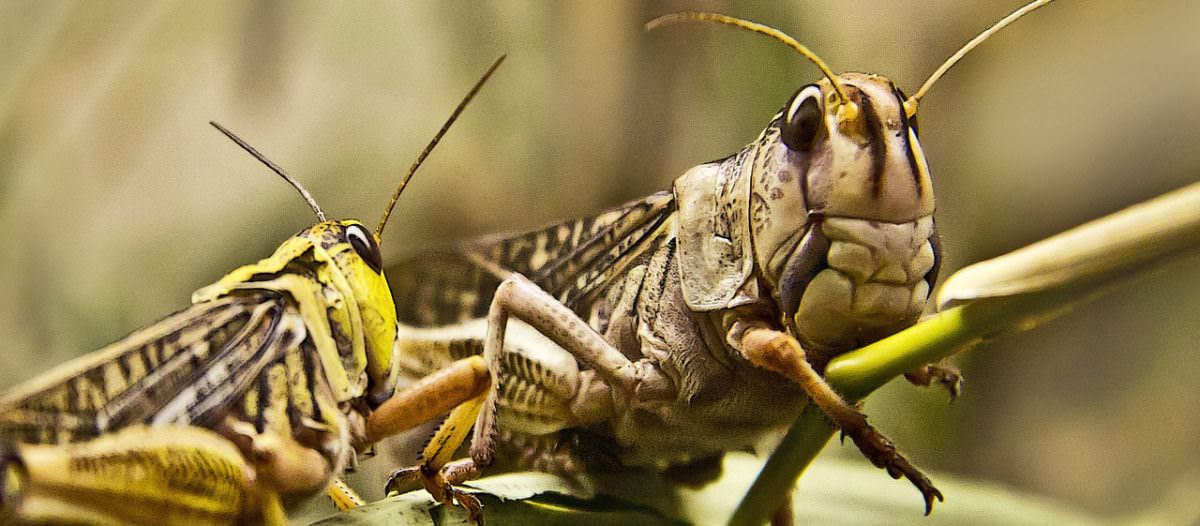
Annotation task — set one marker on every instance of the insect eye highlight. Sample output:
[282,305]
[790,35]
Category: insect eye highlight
[364,245]
[803,119]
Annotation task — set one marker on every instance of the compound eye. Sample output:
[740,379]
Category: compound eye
[803,119]
[364,244]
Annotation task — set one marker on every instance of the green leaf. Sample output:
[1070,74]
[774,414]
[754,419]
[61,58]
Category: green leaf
[514,498]
[1116,246]
[834,492]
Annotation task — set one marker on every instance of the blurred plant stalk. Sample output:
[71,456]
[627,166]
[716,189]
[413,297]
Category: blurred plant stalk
[1006,294]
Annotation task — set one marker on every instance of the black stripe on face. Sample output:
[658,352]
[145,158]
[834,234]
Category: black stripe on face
[875,141]
[308,358]
[905,125]
[264,400]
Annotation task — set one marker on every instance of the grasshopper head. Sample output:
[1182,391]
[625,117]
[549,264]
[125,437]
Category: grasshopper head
[842,184]
[355,254]
[820,157]
[343,275]
[831,207]
[816,164]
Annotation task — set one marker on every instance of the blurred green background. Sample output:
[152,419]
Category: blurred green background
[117,199]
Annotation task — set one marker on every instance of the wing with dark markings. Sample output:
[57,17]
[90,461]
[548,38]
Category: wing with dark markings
[185,369]
[572,261]
[616,237]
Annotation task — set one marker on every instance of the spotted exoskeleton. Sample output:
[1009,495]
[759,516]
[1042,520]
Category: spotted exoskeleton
[672,329]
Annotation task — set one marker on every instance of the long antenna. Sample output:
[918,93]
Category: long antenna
[910,105]
[274,167]
[848,110]
[429,147]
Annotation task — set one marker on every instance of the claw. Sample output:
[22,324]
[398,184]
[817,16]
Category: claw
[440,485]
[468,502]
[403,481]
[883,454]
[943,375]
[929,494]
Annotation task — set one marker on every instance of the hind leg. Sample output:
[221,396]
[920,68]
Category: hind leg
[166,475]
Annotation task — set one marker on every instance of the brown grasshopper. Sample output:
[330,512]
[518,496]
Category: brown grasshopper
[251,399]
[672,329]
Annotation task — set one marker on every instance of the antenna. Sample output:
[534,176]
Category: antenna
[910,105]
[847,111]
[275,168]
[429,147]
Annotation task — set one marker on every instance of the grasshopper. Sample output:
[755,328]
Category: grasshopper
[252,398]
[669,330]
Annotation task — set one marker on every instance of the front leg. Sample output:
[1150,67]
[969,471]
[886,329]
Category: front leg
[781,353]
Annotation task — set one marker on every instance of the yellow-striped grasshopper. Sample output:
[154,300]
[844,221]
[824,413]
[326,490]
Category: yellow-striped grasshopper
[252,398]
[672,329]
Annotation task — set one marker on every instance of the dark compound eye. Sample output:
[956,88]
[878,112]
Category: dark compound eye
[804,119]
[364,244]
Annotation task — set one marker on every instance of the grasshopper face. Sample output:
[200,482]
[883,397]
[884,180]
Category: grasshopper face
[355,252]
[345,255]
[833,210]
[870,167]
[851,195]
